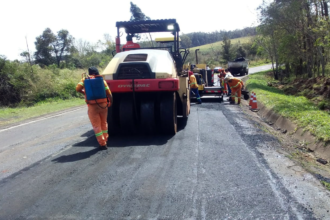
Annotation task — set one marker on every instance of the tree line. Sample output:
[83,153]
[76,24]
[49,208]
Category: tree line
[295,33]
[196,39]
[64,51]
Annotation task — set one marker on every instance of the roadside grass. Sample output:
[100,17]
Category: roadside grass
[326,184]
[12,115]
[299,109]
[209,54]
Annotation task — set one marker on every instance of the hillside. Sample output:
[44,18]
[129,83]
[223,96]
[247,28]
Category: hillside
[211,54]
[217,45]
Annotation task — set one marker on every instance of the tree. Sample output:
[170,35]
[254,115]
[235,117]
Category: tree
[62,45]
[44,49]
[137,14]
[51,49]
[185,41]
[240,52]
[226,48]
[298,32]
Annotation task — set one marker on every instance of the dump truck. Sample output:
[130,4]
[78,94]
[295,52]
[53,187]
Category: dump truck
[239,66]
[149,86]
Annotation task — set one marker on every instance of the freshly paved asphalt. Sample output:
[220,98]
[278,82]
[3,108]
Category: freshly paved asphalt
[211,169]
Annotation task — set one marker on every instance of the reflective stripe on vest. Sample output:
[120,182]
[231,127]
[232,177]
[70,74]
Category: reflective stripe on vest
[237,84]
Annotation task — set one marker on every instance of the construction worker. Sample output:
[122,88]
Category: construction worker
[222,76]
[129,44]
[229,75]
[236,86]
[98,98]
[194,86]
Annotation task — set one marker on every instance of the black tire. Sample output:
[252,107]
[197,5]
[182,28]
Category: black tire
[147,115]
[127,119]
[168,113]
[113,123]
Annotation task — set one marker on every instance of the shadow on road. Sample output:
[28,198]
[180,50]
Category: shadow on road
[76,157]
[123,140]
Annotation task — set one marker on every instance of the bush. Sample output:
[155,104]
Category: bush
[21,84]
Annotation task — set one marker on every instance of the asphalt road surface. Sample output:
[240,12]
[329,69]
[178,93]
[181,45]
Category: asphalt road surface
[220,165]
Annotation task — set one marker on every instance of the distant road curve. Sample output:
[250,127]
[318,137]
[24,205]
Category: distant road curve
[259,68]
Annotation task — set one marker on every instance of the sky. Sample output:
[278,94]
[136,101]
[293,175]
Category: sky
[23,20]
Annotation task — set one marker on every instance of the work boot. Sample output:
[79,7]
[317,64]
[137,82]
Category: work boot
[103,147]
[198,103]
[232,102]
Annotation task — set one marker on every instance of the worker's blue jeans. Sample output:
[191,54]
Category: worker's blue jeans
[195,91]
[229,90]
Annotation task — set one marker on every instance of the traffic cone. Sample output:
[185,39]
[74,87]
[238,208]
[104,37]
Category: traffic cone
[254,105]
[251,99]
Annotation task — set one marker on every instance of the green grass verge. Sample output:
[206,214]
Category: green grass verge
[326,184]
[297,108]
[12,115]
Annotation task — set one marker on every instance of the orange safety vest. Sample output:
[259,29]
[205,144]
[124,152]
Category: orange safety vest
[193,82]
[234,82]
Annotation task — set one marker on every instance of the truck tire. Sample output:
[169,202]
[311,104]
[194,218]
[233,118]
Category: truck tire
[168,113]
[147,115]
[113,122]
[126,115]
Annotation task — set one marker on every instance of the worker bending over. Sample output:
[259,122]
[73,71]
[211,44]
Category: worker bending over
[98,98]
[228,74]
[224,85]
[194,86]
[236,86]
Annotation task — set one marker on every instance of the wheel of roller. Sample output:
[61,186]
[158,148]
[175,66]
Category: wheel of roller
[126,115]
[147,115]
[168,113]
[113,122]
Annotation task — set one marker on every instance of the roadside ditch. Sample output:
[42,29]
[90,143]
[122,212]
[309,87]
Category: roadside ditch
[300,145]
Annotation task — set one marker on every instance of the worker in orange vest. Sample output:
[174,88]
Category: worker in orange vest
[129,44]
[98,98]
[222,76]
[236,86]
[194,86]
[228,74]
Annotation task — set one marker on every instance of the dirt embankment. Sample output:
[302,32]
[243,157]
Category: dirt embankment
[315,89]
[302,144]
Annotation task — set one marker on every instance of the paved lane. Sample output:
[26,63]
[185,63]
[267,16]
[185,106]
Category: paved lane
[210,170]
[260,68]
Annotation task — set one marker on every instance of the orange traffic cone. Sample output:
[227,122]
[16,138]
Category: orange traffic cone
[254,105]
[251,99]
